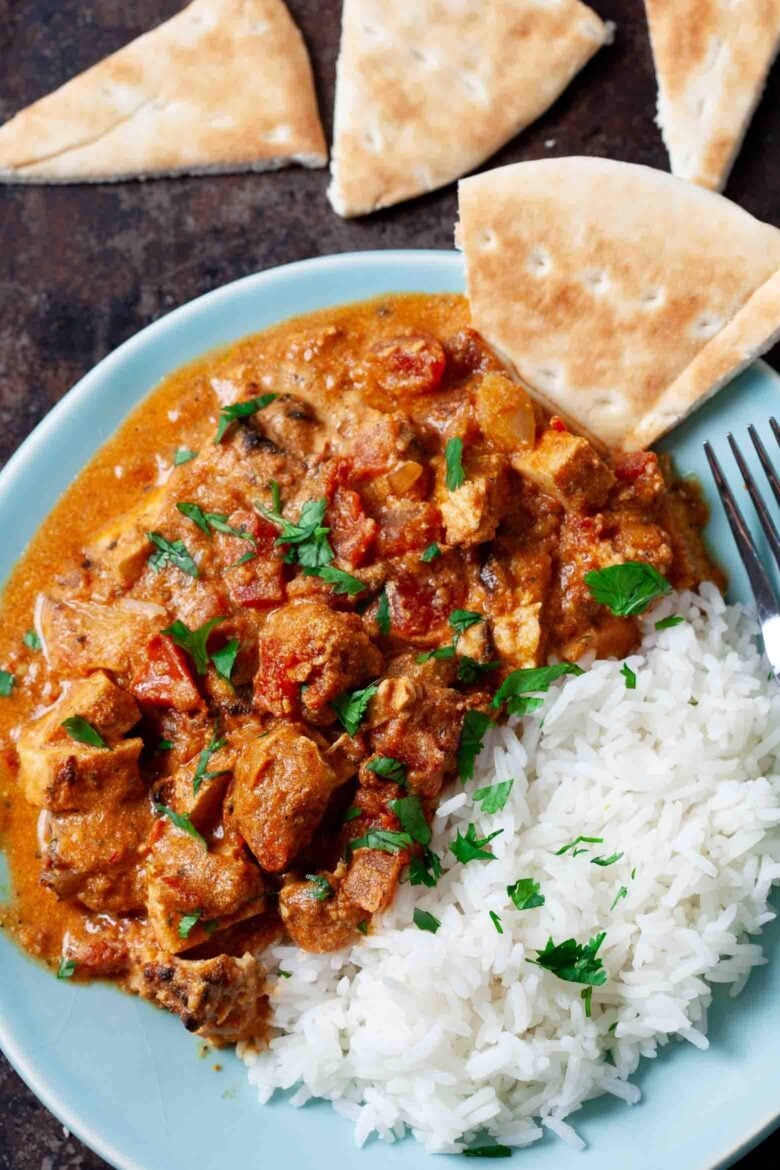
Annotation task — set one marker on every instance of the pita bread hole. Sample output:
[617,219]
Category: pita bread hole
[475,86]
[707,326]
[549,377]
[607,402]
[539,261]
[278,134]
[597,280]
[487,239]
[652,298]
[258,28]
[373,139]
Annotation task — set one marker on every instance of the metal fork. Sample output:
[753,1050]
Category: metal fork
[767,603]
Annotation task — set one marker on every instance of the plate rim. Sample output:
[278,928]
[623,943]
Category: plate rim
[80,398]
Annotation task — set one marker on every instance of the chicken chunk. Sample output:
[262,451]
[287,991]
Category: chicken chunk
[567,467]
[81,636]
[292,425]
[104,705]
[471,514]
[372,878]
[307,644]
[418,724]
[279,795]
[316,925]
[122,548]
[97,857]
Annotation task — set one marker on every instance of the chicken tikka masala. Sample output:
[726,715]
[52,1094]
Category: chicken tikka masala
[270,621]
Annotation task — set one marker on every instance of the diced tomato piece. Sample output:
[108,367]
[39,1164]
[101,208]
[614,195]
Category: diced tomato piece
[275,690]
[419,607]
[352,533]
[557,424]
[407,525]
[165,679]
[409,365]
[377,447]
[260,583]
[633,464]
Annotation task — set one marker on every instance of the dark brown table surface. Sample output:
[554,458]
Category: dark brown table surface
[83,268]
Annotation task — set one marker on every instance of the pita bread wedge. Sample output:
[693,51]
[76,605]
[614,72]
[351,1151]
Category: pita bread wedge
[712,58]
[601,281]
[753,331]
[426,91]
[224,86]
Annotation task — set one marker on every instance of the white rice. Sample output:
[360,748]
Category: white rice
[456,1033]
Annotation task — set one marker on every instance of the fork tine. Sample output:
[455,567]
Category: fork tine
[766,600]
[775,429]
[767,523]
[769,470]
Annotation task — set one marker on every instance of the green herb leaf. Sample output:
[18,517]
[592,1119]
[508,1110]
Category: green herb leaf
[201,774]
[410,813]
[668,623]
[229,414]
[7,683]
[362,926]
[170,552]
[183,455]
[525,705]
[469,670]
[342,582]
[579,841]
[388,768]
[627,589]
[66,969]
[180,821]
[308,538]
[496,921]
[453,458]
[385,840]
[187,921]
[164,745]
[622,893]
[439,653]
[425,870]
[463,619]
[573,961]
[284,974]
[629,675]
[587,995]
[351,707]
[31,640]
[495,796]
[321,887]
[475,725]
[352,813]
[431,553]
[496,1151]
[242,560]
[193,642]
[528,681]
[276,495]
[605,861]
[224,659]
[83,732]
[209,522]
[383,613]
[423,920]
[471,847]
[196,514]
[525,894]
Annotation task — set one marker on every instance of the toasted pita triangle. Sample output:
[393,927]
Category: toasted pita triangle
[224,86]
[601,281]
[711,61]
[753,331]
[425,91]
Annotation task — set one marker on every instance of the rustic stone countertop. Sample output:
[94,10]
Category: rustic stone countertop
[83,268]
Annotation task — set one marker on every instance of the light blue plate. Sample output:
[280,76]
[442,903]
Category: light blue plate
[124,1076]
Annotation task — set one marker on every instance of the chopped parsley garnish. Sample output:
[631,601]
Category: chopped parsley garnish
[187,921]
[633,873]
[201,773]
[7,682]
[383,613]
[307,539]
[242,560]
[362,926]
[521,683]
[170,552]
[284,974]
[431,553]
[83,732]
[224,659]
[496,1151]
[351,707]
[425,870]
[605,861]
[321,889]
[627,589]
[629,675]
[453,458]
[412,818]
[342,582]
[496,921]
[622,893]
[209,522]
[181,821]
[352,813]
[475,725]
[184,455]
[471,847]
[462,619]
[31,640]
[439,653]
[469,670]
[579,841]
[193,642]
[66,969]
[586,995]
[525,894]
[494,797]
[388,768]
[424,920]
[668,623]
[164,745]
[276,495]
[574,962]
[385,840]
[229,414]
